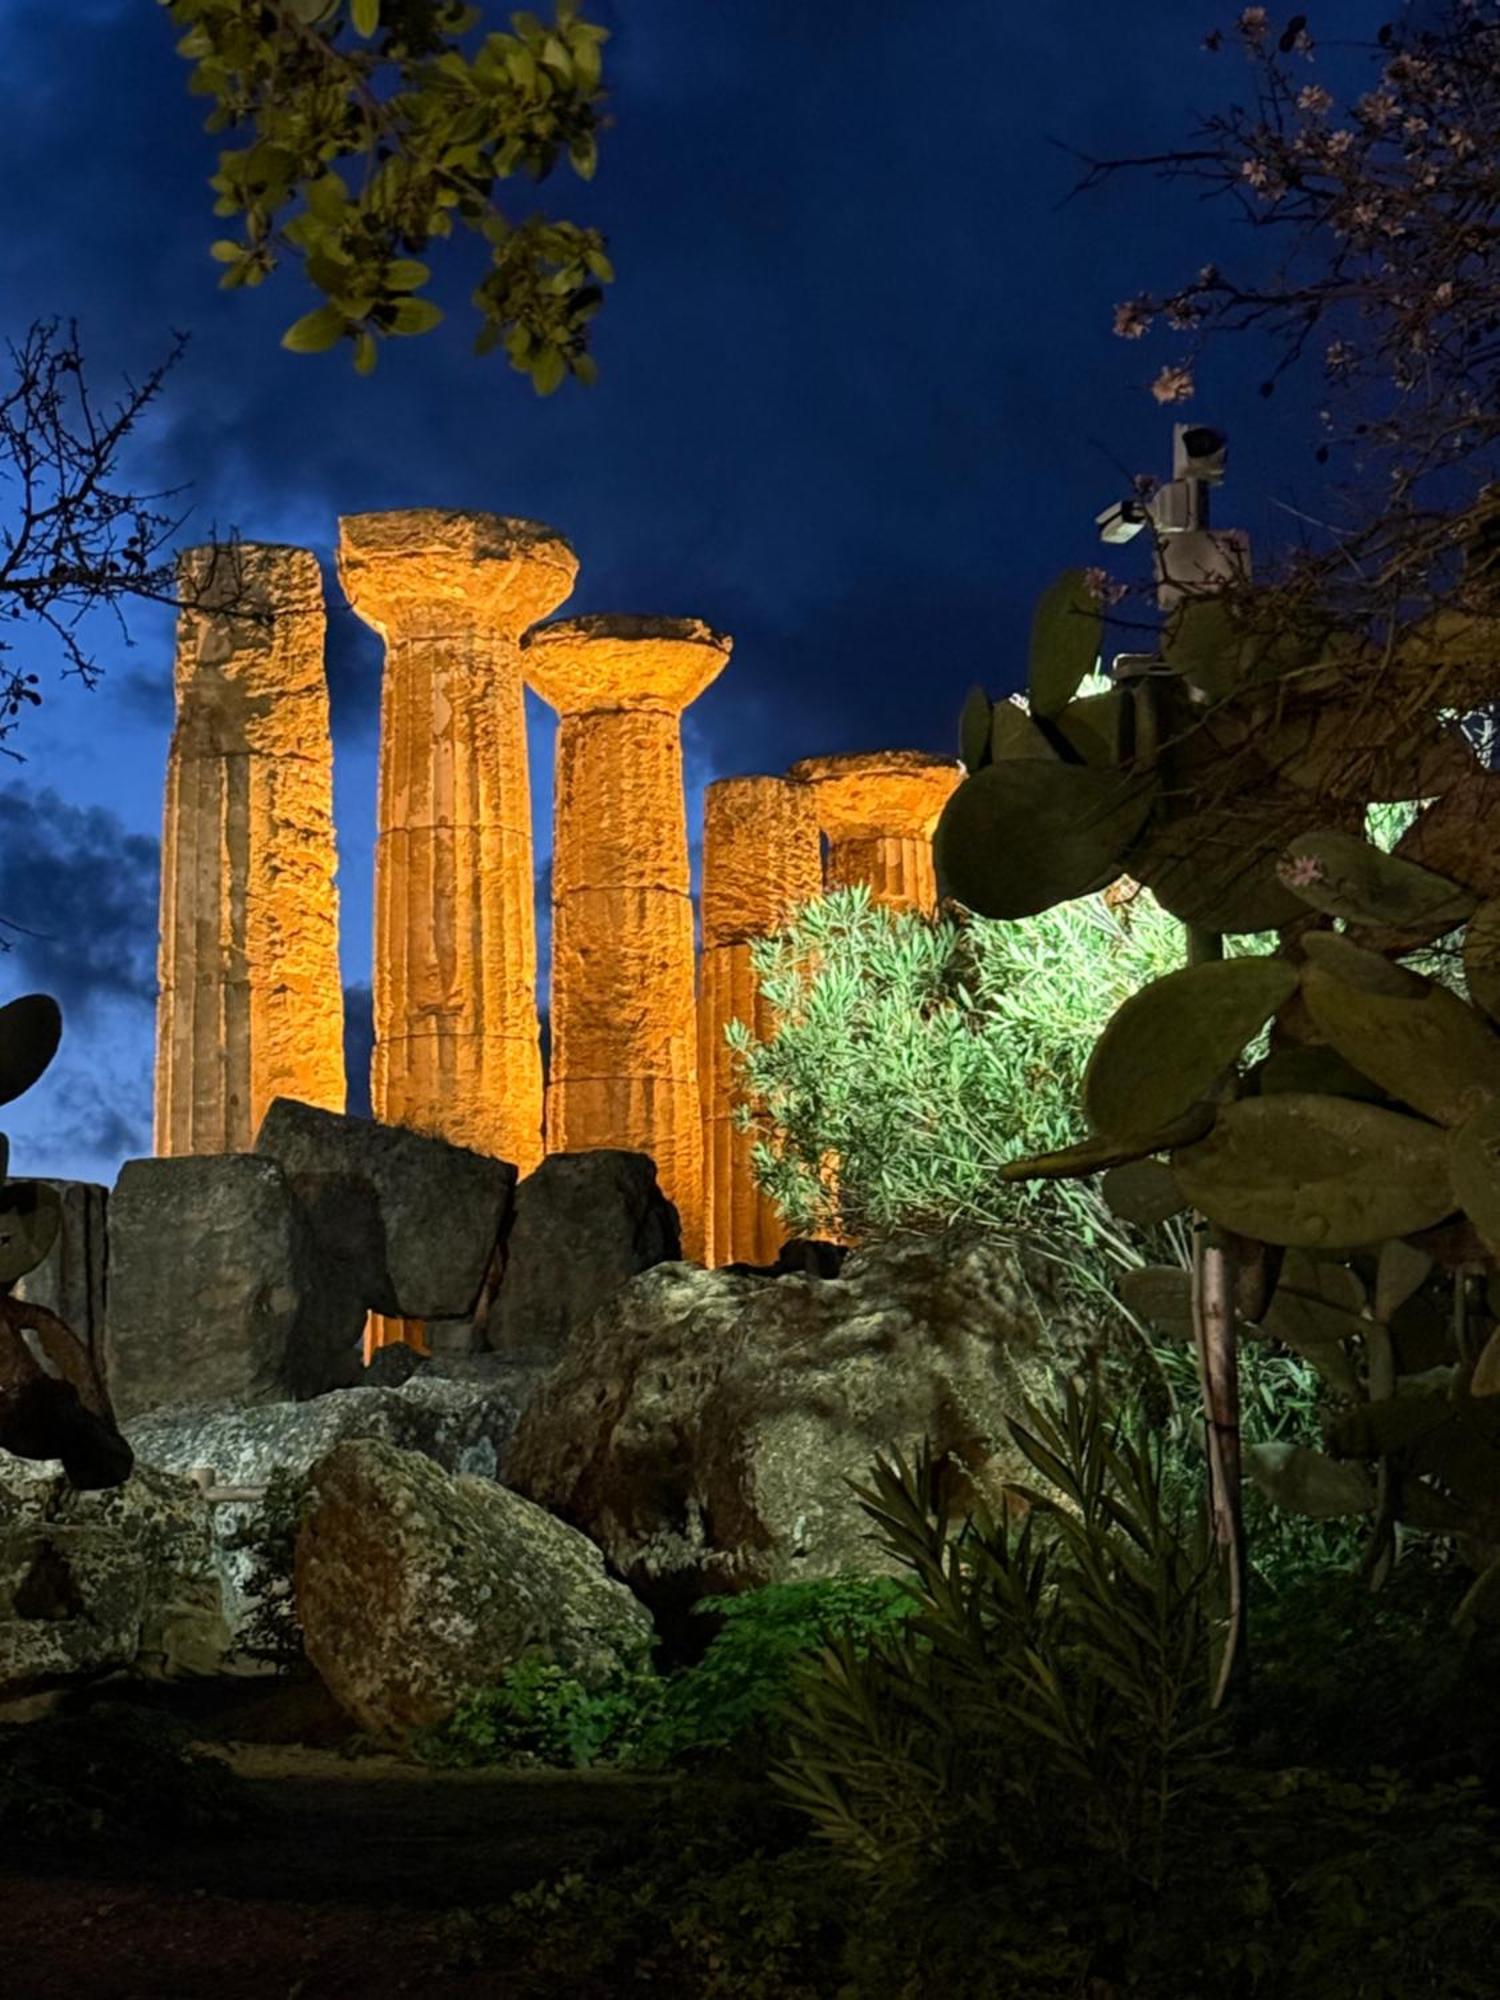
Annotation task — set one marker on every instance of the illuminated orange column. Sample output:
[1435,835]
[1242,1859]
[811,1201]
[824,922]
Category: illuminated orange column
[624,1030]
[250,1003]
[878,809]
[457,1052]
[761,861]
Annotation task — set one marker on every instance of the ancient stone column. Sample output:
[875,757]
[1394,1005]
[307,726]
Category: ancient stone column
[878,809]
[624,1030]
[250,1002]
[761,861]
[456,1052]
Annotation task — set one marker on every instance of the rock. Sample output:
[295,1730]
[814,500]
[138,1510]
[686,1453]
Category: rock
[389,1366]
[69,1281]
[701,1426]
[414,1587]
[807,1256]
[459,1427]
[92,1583]
[52,1402]
[217,1288]
[434,1212]
[584,1223]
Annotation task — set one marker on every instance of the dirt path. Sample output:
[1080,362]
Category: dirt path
[340,1890]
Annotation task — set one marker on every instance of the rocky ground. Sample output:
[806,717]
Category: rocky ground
[345,1882]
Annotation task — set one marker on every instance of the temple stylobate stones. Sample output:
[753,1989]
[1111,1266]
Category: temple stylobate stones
[878,810]
[250,1001]
[762,861]
[624,1031]
[457,1052]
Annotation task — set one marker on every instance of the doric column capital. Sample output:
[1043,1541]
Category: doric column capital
[761,856]
[427,572]
[612,660]
[877,794]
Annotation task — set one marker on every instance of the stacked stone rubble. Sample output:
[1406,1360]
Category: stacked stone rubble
[250,1002]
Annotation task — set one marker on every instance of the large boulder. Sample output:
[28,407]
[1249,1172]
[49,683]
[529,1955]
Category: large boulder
[93,1583]
[584,1223]
[218,1288]
[416,1219]
[413,1587]
[702,1425]
[461,1427]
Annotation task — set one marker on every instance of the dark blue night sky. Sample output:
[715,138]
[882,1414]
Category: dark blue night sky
[859,401]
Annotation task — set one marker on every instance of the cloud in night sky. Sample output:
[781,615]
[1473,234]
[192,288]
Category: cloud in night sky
[79,896]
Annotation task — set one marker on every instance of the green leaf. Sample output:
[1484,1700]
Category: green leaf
[1167,1046]
[226,251]
[404,274]
[365,15]
[1065,641]
[315,331]
[415,316]
[364,353]
[586,369]
[548,370]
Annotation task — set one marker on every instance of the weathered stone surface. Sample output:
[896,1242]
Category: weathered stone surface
[584,1223]
[69,1281]
[94,1582]
[461,1427]
[251,1002]
[624,1063]
[701,1425]
[456,1036]
[762,860]
[878,809]
[413,1588]
[217,1288]
[412,1219]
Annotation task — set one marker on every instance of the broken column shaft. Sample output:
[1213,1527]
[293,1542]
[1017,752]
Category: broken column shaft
[761,862]
[624,1032]
[250,1003]
[456,1052]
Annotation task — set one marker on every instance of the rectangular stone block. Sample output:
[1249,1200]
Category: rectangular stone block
[439,1209]
[218,1289]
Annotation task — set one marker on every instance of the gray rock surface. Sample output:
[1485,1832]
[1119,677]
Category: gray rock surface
[702,1425]
[91,1583]
[461,1427]
[425,1227]
[584,1223]
[217,1288]
[413,1587]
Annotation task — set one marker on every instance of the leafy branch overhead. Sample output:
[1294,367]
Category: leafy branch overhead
[384,89]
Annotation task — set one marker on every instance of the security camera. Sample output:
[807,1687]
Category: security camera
[1198,452]
[1121,522]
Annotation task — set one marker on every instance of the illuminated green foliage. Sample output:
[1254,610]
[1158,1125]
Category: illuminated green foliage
[370,132]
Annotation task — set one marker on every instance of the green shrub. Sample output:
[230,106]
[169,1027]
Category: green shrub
[112,1769]
[538,1714]
[269,1535]
[923,1052]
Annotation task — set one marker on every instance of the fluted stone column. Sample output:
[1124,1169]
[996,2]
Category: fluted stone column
[624,1030]
[761,861]
[878,809]
[456,1052]
[250,1003]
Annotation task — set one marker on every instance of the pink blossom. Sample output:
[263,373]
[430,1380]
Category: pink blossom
[1253,23]
[1132,319]
[1173,385]
[1300,871]
[1314,99]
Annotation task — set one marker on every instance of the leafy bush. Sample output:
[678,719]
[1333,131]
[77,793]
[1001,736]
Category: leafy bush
[269,1536]
[536,1713]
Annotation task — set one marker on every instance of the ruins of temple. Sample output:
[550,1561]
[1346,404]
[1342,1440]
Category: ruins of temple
[251,998]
